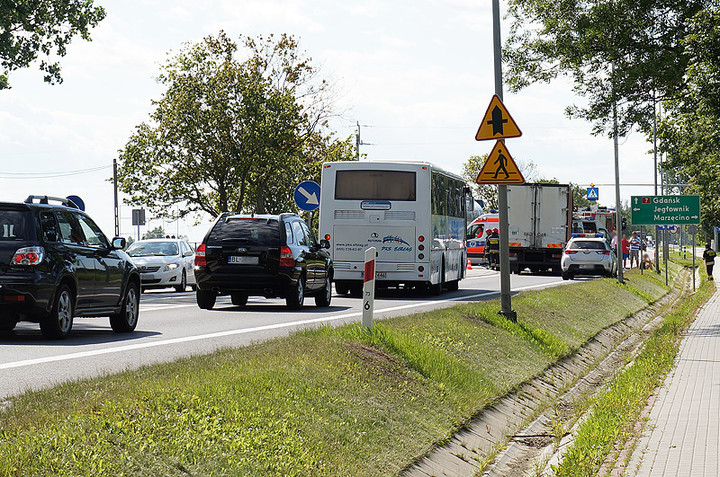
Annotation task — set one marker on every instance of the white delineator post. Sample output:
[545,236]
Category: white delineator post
[369,288]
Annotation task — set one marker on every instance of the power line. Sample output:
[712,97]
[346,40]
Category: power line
[48,175]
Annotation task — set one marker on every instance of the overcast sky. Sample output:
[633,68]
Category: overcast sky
[417,75]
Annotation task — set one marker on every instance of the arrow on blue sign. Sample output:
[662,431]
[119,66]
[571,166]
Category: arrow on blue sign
[307,195]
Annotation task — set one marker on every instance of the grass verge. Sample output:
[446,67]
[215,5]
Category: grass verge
[621,404]
[321,402]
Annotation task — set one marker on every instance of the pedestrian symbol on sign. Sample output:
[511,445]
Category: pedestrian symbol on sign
[499,168]
[592,193]
[501,161]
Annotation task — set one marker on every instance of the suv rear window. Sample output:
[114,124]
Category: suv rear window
[251,231]
[16,225]
[587,245]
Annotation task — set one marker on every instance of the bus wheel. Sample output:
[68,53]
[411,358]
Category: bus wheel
[342,288]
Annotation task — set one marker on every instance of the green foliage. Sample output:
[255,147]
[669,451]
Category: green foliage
[231,134]
[29,28]
[331,401]
[627,395]
[617,52]
[689,133]
[157,232]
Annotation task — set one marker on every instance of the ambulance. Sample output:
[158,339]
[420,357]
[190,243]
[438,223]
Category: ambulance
[477,235]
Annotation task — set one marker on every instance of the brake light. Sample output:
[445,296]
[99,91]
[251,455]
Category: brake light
[604,252]
[200,256]
[286,257]
[569,252]
[327,237]
[28,256]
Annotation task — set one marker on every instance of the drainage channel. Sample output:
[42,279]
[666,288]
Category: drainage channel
[518,435]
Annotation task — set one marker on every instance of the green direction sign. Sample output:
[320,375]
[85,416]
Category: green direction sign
[665,209]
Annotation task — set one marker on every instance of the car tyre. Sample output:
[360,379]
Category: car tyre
[566,276]
[205,299]
[58,323]
[7,326]
[296,296]
[127,319]
[324,296]
[238,299]
[183,283]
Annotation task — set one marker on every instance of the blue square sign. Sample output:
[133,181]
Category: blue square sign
[592,193]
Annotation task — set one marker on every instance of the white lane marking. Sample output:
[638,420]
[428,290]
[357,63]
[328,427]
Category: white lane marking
[221,334]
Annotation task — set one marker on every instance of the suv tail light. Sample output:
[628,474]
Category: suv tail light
[28,256]
[200,256]
[604,252]
[286,257]
[569,252]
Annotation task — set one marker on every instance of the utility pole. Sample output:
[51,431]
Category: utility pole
[618,204]
[505,292]
[655,170]
[115,193]
[357,142]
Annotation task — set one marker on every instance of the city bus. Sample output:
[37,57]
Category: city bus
[413,213]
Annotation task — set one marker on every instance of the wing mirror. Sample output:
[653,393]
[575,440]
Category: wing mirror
[324,243]
[118,243]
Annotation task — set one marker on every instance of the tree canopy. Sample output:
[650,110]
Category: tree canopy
[689,133]
[619,53]
[230,133]
[29,28]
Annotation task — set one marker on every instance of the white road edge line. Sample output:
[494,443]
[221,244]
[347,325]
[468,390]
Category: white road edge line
[221,334]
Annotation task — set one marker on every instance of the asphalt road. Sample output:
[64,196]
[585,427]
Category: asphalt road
[171,326]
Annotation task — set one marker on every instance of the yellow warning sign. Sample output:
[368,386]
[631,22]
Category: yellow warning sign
[497,122]
[500,168]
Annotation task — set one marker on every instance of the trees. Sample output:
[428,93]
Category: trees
[231,134]
[689,133]
[618,52]
[29,28]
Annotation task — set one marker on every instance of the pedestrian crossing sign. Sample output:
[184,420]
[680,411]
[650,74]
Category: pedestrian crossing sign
[592,193]
[500,168]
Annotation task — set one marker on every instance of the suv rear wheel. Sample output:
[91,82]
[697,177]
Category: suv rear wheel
[127,319]
[324,296]
[59,322]
[296,296]
[205,299]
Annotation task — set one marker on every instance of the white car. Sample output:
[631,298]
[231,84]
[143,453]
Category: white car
[163,263]
[588,254]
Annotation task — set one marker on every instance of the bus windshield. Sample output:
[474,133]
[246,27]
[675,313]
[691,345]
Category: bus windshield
[375,185]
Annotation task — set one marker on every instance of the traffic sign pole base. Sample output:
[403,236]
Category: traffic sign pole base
[510,315]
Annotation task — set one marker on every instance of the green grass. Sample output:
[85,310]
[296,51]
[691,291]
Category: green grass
[322,402]
[621,404]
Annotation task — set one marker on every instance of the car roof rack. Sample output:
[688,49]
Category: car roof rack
[44,199]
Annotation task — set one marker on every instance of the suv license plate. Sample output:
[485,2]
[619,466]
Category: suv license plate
[243,260]
[587,266]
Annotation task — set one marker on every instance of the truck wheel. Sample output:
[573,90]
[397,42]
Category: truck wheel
[126,320]
[58,323]
[453,285]
[205,299]
[356,290]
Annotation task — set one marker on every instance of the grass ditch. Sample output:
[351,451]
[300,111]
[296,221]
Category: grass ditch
[616,410]
[329,401]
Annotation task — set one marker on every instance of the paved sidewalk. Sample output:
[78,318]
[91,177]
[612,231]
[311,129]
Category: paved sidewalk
[682,437]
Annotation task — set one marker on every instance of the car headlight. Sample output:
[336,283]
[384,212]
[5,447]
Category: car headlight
[171,266]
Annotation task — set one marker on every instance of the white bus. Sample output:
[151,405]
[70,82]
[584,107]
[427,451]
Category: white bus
[413,213]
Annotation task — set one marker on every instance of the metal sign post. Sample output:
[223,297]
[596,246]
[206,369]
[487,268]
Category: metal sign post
[692,229]
[369,288]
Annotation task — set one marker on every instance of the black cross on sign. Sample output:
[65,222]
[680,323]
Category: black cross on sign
[497,121]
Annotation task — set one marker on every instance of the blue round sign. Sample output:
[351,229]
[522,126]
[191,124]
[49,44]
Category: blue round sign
[307,195]
[77,201]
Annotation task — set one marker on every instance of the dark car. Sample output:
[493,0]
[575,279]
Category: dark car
[262,255]
[55,264]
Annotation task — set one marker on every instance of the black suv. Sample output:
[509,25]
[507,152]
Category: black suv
[56,264]
[262,255]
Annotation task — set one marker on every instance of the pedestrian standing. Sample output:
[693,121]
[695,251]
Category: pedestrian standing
[709,259]
[634,250]
[494,247]
[625,250]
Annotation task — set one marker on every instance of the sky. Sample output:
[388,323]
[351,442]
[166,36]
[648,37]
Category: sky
[417,76]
